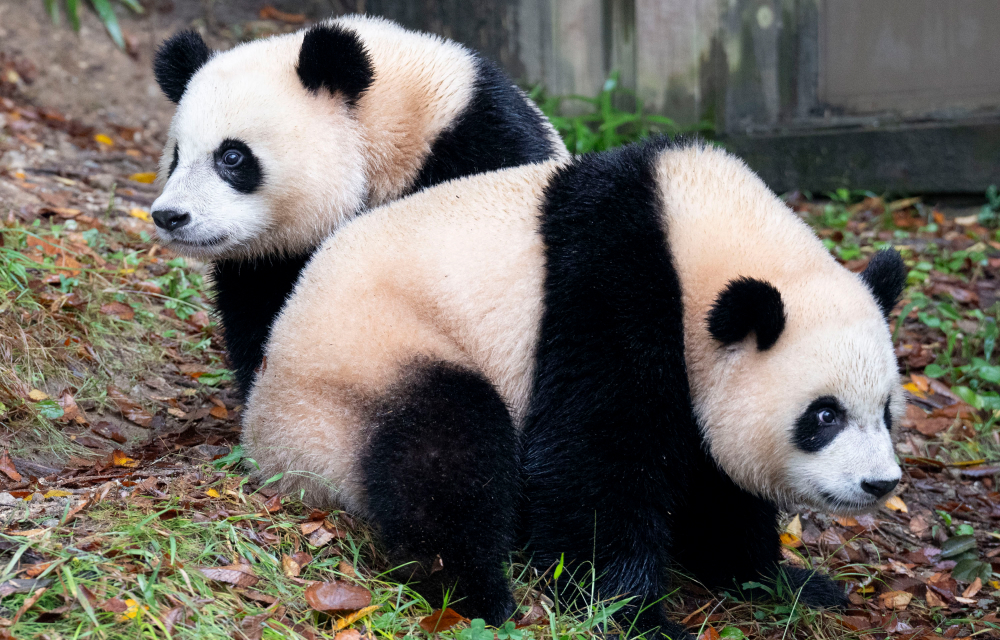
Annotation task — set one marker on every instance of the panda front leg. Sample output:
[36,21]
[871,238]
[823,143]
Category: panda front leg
[727,537]
[440,473]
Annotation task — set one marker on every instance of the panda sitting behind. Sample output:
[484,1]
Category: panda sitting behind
[678,354]
[277,141]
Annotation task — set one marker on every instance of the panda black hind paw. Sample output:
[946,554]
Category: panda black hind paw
[814,589]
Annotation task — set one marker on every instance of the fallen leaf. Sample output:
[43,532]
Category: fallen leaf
[118,310]
[219,412]
[212,493]
[145,177]
[444,619]
[171,618]
[7,466]
[71,411]
[57,493]
[536,615]
[290,567]
[119,459]
[337,596]
[346,634]
[109,431]
[28,603]
[103,139]
[129,409]
[273,504]
[311,526]
[347,569]
[790,541]
[239,575]
[709,634]
[37,396]
[34,570]
[846,521]
[897,600]
[896,503]
[973,588]
[346,621]
[114,605]
[270,13]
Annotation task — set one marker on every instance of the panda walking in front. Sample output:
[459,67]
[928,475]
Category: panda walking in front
[278,141]
[649,335]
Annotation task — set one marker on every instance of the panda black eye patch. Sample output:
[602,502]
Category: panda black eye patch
[173,163]
[237,165]
[888,417]
[819,424]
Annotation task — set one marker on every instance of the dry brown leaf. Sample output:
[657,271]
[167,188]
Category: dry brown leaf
[346,621]
[129,409]
[973,589]
[290,567]
[110,431]
[897,600]
[536,615]
[346,634]
[320,537]
[347,569]
[7,466]
[846,521]
[273,504]
[709,634]
[270,13]
[219,412]
[199,320]
[30,602]
[442,620]
[172,617]
[311,526]
[239,575]
[337,597]
[118,310]
[114,605]
[36,395]
[896,503]
[71,411]
[119,459]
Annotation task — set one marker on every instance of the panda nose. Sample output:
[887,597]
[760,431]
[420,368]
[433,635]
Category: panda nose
[879,488]
[168,219]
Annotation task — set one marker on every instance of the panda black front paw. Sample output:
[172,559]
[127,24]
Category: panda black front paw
[813,589]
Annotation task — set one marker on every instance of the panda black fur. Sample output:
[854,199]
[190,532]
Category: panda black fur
[662,349]
[404,110]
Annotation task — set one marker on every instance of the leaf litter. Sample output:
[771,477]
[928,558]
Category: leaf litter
[123,502]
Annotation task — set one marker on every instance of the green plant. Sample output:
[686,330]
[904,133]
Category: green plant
[605,125]
[104,11]
[989,215]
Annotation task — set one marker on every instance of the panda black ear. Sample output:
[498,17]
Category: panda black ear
[335,59]
[885,277]
[177,59]
[746,305]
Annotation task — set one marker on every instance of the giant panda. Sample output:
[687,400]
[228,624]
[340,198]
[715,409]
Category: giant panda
[643,352]
[277,141]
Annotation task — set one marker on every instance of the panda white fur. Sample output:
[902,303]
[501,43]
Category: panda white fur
[664,351]
[276,142]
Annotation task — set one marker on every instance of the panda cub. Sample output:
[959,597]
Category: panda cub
[277,141]
[652,338]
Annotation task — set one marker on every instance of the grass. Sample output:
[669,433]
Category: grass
[104,10]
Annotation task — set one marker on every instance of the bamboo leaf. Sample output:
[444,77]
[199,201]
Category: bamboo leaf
[107,15]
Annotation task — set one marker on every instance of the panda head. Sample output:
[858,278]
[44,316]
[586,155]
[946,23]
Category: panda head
[264,153]
[803,388]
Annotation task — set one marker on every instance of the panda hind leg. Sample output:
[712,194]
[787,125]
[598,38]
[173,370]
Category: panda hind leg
[441,479]
[813,588]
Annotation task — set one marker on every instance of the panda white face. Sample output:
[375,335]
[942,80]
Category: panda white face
[841,458]
[797,390]
[256,162]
